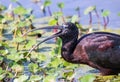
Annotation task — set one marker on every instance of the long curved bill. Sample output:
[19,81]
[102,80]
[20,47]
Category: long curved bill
[36,45]
[49,27]
[53,36]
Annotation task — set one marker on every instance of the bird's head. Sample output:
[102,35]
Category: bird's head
[67,31]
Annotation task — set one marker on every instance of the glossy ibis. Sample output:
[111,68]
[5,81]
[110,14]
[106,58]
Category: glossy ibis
[100,50]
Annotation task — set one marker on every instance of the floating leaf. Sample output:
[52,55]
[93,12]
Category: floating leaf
[4,52]
[29,10]
[1,70]
[21,24]
[105,13]
[17,68]
[15,57]
[49,78]
[47,3]
[2,7]
[59,42]
[4,44]
[88,78]
[89,9]
[61,5]
[4,48]
[68,73]
[42,57]
[33,67]
[56,62]
[1,18]
[109,78]
[1,58]
[53,22]
[20,10]
[14,0]
[34,56]
[2,76]
[30,44]
[119,14]
[21,78]
[57,50]
[35,78]
[19,39]
[57,14]
[74,18]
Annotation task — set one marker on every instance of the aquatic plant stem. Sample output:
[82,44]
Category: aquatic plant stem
[17,48]
[15,33]
[6,68]
[15,74]
[79,14]
[62,15]
[106,21]
[97,17]
[90,21]
[50,13]
[1,30]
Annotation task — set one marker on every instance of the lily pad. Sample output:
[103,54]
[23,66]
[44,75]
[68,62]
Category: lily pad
[61,5]
[20,10]
[89,9]
[47,3]
[105,13]
[88,78]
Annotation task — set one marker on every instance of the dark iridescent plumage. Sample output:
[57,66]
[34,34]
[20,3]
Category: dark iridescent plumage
[100,50]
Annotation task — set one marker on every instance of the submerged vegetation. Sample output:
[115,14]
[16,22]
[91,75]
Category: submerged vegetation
[44,64]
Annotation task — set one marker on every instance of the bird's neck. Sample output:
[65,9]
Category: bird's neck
[67,49]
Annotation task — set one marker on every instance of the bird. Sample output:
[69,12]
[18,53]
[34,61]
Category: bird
[100,50]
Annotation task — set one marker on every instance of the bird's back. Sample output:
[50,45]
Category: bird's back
[102,48]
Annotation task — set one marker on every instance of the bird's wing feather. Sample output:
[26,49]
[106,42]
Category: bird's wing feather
[101,42]
[103,49]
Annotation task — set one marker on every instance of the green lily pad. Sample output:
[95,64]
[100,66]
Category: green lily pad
[105,13]
[35,78]
[20,10]
[33,67]
[88,78]
[89,9]
[21,78]
[61,5]
[15,57]
[47,3]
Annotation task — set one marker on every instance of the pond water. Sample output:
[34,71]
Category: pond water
[112,5]
[70,5]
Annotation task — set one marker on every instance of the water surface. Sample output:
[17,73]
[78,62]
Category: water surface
[112,5]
